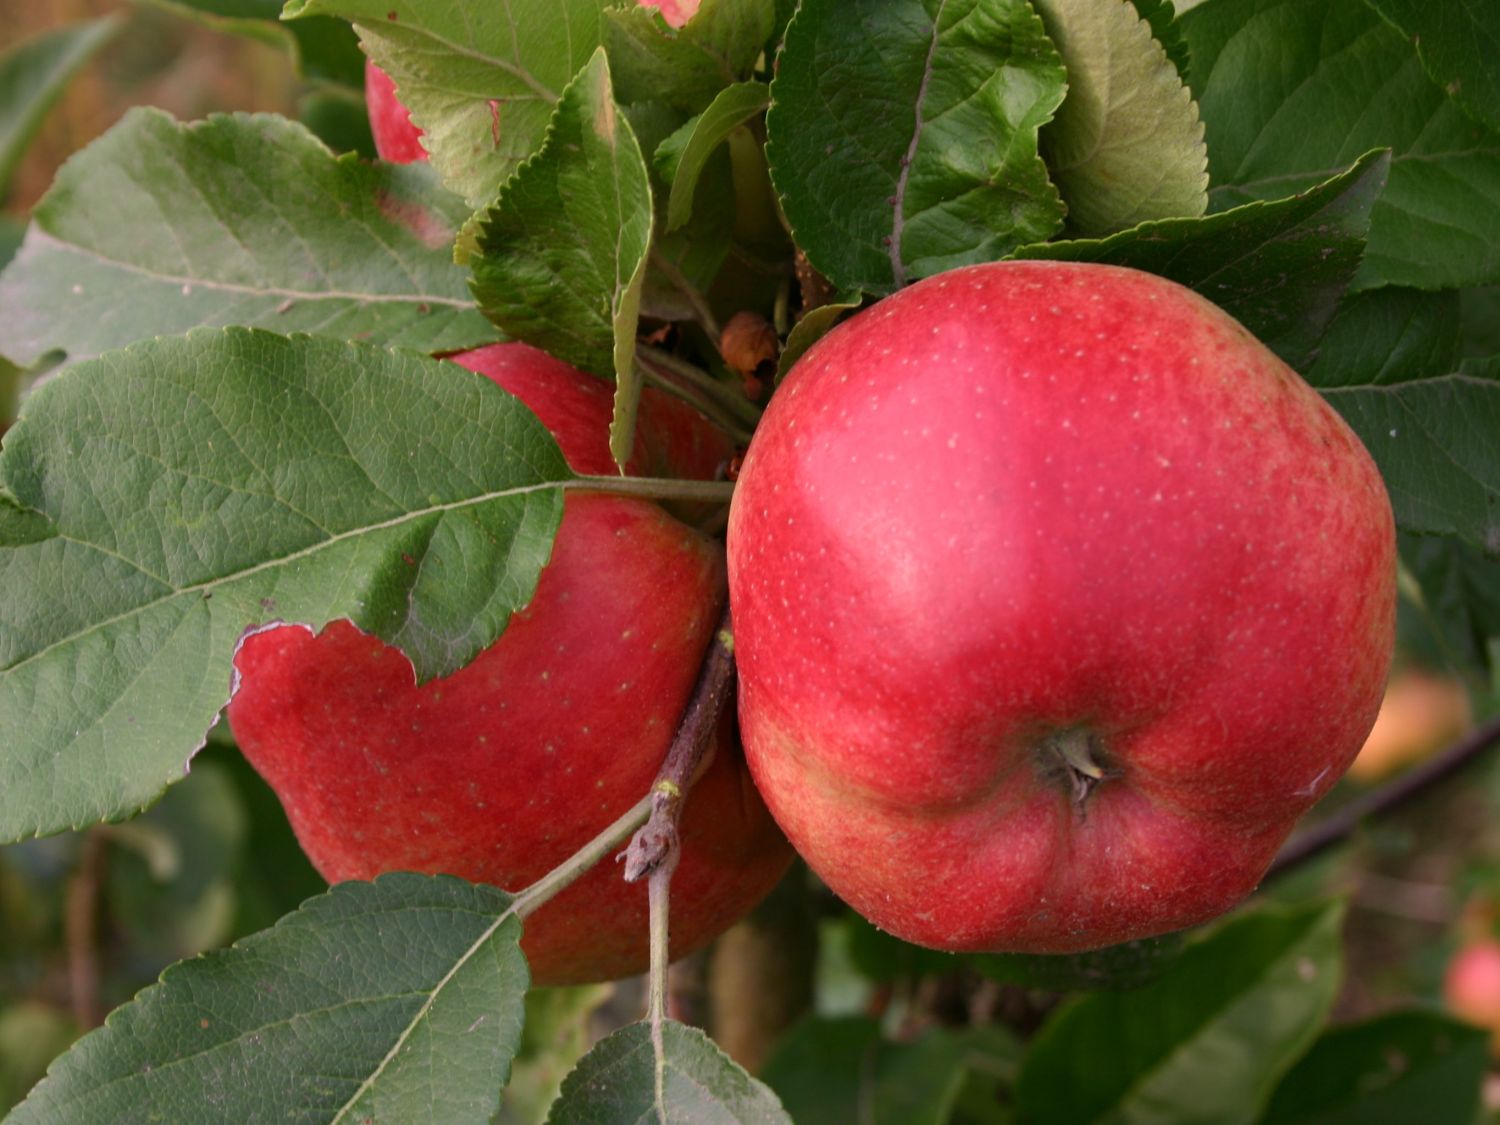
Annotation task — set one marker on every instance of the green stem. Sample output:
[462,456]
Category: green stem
[695,298]
[658,488]
[728,397]
[701,403]
[568,871]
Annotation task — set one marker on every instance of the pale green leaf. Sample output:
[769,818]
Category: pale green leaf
[170,496]
[323,49]
[681,158]
[903,135]
[1126,147]
[398,1000]
[480,80]
[560,257]
[158,227]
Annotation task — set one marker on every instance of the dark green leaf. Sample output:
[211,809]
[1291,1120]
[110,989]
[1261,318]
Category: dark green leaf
[843,1070]
[159,227]
[1115,968]
[1480,310]
[1460,593]
[1332,80]
[1206,1043]
[324,48]
[398,1000]
[1279,268]
[481,92]
[903,135]
[681,158]
[686,68]
[1127,146]
[1458,42]
[560,258]
[1384,336]
[33,74]
[1394,1070]
[200,485]
[694,1084]
[1434,440]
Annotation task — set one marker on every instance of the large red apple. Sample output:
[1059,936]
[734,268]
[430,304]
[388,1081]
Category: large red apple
[1058,599]
[502,770]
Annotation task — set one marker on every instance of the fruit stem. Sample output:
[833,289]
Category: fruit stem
[731,399]
[658,488]
[656,843]
[701,312]
[564,874]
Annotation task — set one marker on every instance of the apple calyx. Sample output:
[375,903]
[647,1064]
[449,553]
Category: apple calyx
[1075,758]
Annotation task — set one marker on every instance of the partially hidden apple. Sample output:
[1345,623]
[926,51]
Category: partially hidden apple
[1471,987]
[399,141]
[396,138]
[502,770]
[1058,599]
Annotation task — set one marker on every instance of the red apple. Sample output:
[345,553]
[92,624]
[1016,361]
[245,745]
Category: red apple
[400,142]
[396,138]
[1058,599]
[502,770]
[1471,987]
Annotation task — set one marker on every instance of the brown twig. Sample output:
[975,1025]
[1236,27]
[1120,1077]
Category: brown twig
[82,928]
[1341,824]
[656,840]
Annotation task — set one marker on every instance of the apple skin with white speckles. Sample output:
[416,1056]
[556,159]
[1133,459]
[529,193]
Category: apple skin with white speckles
[504,769]
[1058,600]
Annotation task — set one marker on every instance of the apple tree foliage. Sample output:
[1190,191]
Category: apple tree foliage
[220,334]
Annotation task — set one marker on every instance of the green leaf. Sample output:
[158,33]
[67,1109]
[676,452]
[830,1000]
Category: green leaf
[1162,17]
[1239,1006]
[687,67]
[33,75]
[480,80]
[1458,42]
[681,158]
[1385,336]
[1433,439]
[198,486]
[1460,593]
[398,1000]
[814,325]
[903,135]
[323,49]
[1114,968]
[843,1070]
[560,257]
[1126,147]
[158,227]
[694,1083]
[1332,80]
[1279,268]
[1393,1070]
